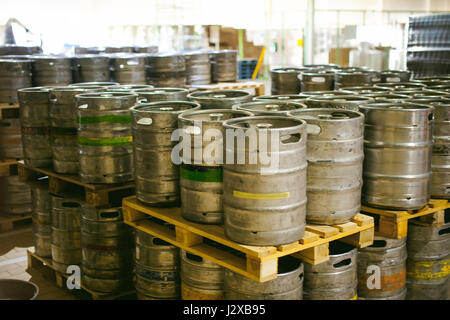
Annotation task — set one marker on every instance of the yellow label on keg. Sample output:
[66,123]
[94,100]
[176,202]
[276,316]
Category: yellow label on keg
[261,196]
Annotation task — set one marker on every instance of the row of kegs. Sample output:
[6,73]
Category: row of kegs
[74,234]
[158,69]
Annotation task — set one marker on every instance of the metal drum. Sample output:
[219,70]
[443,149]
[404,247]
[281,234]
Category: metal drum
[155,174]
[66,236]
[10,139]
[397,149]
[198,68]
[352,79]
[427,267]
[201,174]
[285,80]
[51,70]
[220,99]
[335,153]
[104,137]
[14,74]
[321,80]
[17,196]
[402,86]
[387,97]
[128,68]
[161,94]
[157,268]
[167,70]
[301,98]
[382,270]
[287,286]
[42,218]
[335,279]
[201,279]
[440,159]
[63,123]
[347,102]
[106,250]
[274,108]
[265,201]
[395,76]
[224,66]
[34,117]
[366,90]
[91,68]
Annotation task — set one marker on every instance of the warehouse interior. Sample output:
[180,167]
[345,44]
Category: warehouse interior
[225,150]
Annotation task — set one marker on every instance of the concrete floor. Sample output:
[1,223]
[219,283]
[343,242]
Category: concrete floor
[13,264]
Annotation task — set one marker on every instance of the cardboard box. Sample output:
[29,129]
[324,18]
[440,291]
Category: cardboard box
[343,56]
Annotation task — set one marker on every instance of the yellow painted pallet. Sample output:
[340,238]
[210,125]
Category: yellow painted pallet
[8,168]
[394,223]
[257,263]
[8,111]
[258,86]
[44,265]
[8,222]
[93,194]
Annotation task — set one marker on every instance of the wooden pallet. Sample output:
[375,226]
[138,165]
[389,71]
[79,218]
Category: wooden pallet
[94,194]
[394,223]
[241,85]
[257,263]
[8,168]
[45,266]
[9,222]
[8,111]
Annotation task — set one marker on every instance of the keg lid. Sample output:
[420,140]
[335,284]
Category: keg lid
[341,98]
[130,87]
[269,107]
[95,84]
[165,107]
[212,115]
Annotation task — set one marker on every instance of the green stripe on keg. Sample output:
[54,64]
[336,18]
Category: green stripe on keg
[107,118]
[97,142]
[201,174]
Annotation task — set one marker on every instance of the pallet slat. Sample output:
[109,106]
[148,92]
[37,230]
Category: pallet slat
[257,263]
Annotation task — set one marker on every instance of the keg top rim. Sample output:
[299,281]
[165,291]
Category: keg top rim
[156,90]
[191,114]
[90,56]
[106,95]
[266,106]
[424,92]
[290,69]
[234,123]
[50,57]
[104,84]
[344,98]
[130,87]
[35,89]
[15,60]
[353,115]
[155,107]
[318,72]
[377,89]
[403,85]
[397,106]
[282,97]
[389,93]
[327,92]
[210,94]
[75,89]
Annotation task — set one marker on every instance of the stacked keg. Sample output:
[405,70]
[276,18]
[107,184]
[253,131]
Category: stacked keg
[335,279]
[104,137]
[63,123]
[155,174]
[276,108]
[382,270]
[347,102]
[320,80]
[128,68]
[440,159]
[335,153]
[201,174]
[167,70]
[14,74]
[11,49]
[91,67]
[265,201]
[42,218]
[34,118]
[51,70]
[352,78]
[395,76]
[157,266]
[397,148]
[161,94]
[106,250]
[286,80]
[201,279]
[224,66]
[10,139]
[428,260]
[220,99]
[119,49]
[288,285]
[18,196]
[198,68]
[66,235]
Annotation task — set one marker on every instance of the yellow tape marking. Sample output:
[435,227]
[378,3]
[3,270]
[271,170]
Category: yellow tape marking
[261,196]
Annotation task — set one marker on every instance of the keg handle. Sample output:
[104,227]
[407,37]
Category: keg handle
[345,262]
[444,232]
[108,214]
[192,257]
[143,100]
[52,98]
[145,121]
[313,129]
